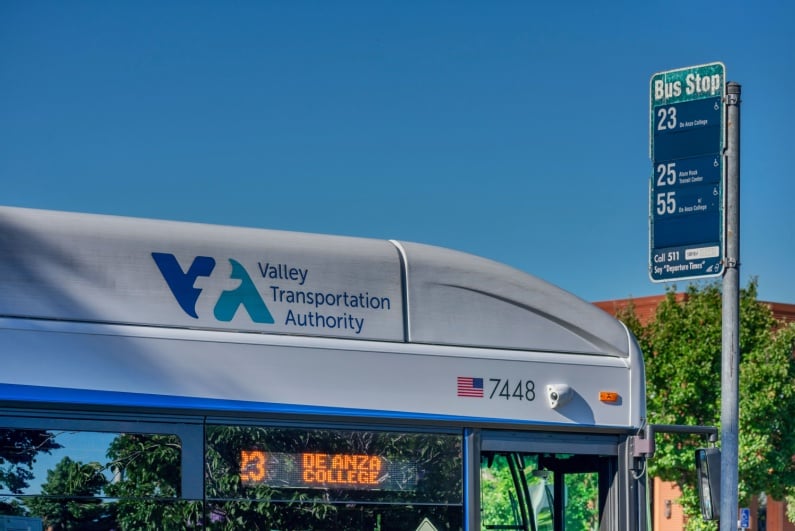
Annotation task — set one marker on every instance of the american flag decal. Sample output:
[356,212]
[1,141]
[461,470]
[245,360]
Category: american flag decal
[470,386]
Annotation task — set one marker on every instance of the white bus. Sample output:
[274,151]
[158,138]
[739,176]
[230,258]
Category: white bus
[170,375]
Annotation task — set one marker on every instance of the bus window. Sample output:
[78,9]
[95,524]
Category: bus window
[295,478]
[542,492]
[70,479]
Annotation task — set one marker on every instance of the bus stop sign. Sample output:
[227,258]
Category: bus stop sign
[686,214]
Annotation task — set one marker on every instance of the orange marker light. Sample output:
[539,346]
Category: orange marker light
[609,397]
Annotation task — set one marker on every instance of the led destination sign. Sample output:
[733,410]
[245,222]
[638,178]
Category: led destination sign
[326,471]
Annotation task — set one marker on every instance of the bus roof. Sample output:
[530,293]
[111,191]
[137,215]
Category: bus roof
[110,269]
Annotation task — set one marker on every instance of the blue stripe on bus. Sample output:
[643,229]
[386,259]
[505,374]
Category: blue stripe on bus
[82,397]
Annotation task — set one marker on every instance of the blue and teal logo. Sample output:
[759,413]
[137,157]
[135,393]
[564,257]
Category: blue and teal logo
[183,287]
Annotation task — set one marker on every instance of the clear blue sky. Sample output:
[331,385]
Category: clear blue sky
[513,130]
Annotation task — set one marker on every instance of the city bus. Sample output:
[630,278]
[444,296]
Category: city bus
[172,375]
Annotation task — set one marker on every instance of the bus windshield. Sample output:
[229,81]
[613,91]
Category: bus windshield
[542,492]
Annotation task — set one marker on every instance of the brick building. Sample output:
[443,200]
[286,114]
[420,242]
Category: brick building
[667,513]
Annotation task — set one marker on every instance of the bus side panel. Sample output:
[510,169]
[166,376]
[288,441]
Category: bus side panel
[109,269]
[320,376]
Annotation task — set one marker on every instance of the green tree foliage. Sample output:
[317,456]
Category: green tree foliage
[18,451]
[791,507]
[582,499]
[147,482]
[69,498]
[498,498]
[682,349]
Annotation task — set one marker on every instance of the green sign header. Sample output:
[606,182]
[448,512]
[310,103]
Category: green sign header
[687,84]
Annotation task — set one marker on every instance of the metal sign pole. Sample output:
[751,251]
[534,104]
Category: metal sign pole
[730,360]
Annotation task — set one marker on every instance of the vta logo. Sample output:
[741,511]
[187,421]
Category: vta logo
[182,284]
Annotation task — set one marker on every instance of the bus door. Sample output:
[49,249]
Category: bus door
[553,482]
